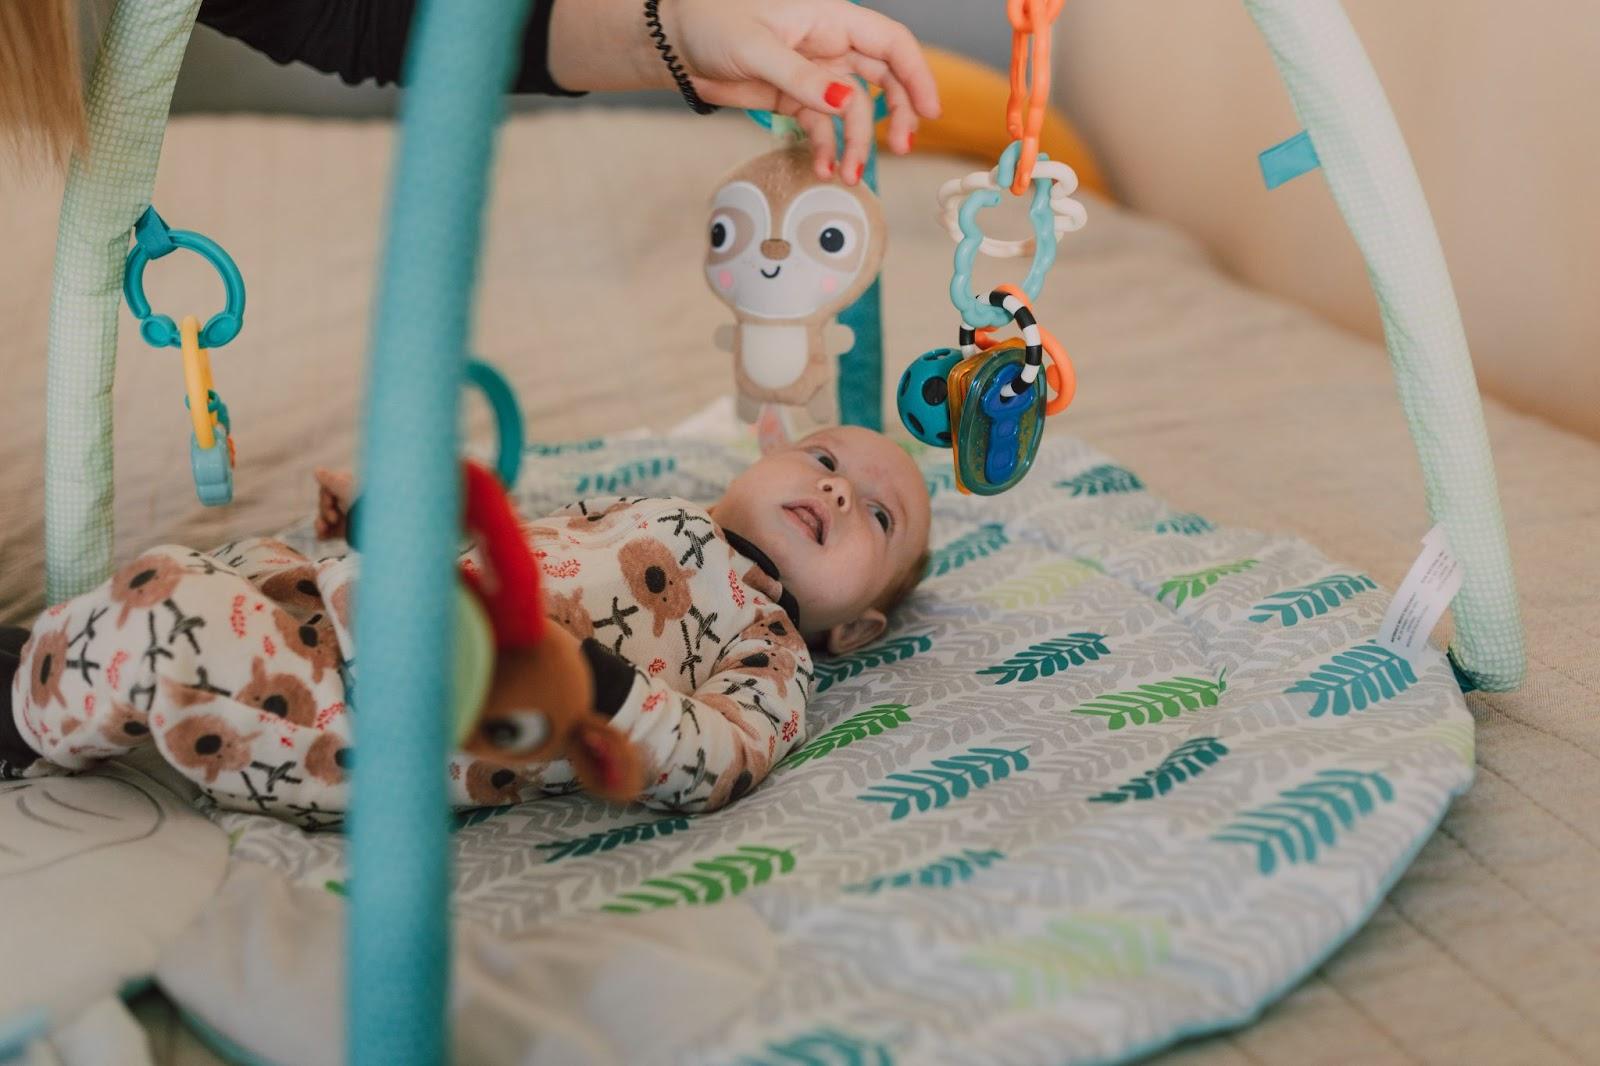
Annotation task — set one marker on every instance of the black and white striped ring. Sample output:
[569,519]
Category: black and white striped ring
[1034,355]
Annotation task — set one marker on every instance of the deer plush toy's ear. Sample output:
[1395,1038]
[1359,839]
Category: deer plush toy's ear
[607,763]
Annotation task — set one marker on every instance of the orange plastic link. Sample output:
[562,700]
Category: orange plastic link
[1035,19]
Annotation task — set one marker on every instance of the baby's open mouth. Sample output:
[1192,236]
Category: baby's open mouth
[810,518]
[773,274]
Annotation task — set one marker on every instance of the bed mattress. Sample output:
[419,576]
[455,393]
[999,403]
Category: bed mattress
[1227,403]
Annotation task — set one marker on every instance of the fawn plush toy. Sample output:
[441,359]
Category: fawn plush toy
[787,252]
[538,702]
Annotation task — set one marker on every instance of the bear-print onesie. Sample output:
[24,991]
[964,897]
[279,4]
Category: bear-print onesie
[239,665]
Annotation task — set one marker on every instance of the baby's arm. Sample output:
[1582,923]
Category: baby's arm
[710,748]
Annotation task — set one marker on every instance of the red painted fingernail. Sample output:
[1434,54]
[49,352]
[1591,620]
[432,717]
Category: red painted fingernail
[838,92]
[911,140]
[832,166]
[861,168]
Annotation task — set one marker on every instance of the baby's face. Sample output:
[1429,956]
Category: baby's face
[843,514]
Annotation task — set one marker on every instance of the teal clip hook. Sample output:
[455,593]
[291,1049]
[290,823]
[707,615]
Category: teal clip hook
[154,239]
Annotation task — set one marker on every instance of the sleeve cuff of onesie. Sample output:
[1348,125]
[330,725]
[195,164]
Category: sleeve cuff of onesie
[613,677]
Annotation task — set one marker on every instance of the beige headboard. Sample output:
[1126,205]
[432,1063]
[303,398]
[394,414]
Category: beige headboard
[1499,102]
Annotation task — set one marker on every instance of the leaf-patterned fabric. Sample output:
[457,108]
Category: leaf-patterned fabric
[1118,774]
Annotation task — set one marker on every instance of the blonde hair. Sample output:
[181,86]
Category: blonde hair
[41,91]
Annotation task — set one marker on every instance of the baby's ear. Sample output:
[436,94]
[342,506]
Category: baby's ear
[847,637]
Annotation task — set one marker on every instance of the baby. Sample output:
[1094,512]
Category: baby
[698,626]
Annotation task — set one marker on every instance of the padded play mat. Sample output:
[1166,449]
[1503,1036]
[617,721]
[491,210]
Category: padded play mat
[1116,776]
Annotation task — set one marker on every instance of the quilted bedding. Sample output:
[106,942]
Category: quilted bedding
[1116,775]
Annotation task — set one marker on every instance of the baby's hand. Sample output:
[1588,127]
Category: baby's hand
[336,489]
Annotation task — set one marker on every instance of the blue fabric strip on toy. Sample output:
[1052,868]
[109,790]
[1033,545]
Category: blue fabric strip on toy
[861,368]
[459,64]
[1286,161]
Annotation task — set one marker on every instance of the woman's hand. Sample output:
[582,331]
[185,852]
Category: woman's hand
[794,57]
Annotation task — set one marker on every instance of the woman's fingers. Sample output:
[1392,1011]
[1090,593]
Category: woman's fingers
[902,117]
[824,149]
[768,59]
[879,37]
[857,136]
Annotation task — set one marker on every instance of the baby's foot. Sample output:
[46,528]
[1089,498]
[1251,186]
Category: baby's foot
[335,490]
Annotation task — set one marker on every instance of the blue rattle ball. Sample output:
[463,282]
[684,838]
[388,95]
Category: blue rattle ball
[924,394]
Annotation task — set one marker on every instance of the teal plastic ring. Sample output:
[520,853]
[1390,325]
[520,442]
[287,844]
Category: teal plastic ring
[974,310]
[154,240]
[507,418]
[509,431]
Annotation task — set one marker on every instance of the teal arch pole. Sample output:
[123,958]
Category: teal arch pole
[1340,102]
[459,65]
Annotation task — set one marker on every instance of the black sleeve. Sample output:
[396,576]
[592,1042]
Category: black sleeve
[361,40]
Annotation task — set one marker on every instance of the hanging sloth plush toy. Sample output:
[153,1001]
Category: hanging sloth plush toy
[787,252]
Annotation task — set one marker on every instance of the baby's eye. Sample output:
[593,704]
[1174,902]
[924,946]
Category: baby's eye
[883,517]
[827,461]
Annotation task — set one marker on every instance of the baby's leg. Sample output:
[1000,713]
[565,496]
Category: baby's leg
[241,695]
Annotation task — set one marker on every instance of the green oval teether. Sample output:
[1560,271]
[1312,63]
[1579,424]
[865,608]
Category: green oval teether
[474,664]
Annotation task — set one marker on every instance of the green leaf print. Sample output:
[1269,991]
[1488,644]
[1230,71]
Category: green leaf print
[607,839]
[830,671]
[823,1047]
[1103,480]
[1071,954]
[1355,680]
[1184,525]
[1043,584]
[980,543]
[1295,605]
[945,779]
[870,723]
[1308,818]
[1188,586]
[606,483]
[706,881]
[1048,658]
[1152,703]
[941,873]
[1188,760]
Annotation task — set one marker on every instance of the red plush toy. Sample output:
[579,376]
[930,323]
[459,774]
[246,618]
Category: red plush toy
[540,702]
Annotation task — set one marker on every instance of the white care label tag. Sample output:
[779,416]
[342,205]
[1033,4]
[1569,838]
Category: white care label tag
[1433,582]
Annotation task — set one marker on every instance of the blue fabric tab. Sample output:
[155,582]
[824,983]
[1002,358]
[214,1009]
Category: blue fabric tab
[1287,161]
[152,234]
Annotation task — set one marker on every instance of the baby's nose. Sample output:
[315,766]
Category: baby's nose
[775,250]
[839,492]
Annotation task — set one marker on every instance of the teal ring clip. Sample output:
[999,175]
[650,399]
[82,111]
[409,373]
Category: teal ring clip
[975,311]
[154,239]
[510,434]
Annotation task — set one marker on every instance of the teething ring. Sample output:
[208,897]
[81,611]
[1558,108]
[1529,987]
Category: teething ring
[152,241]
[1058,370]
[1067,214]
[197,383]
